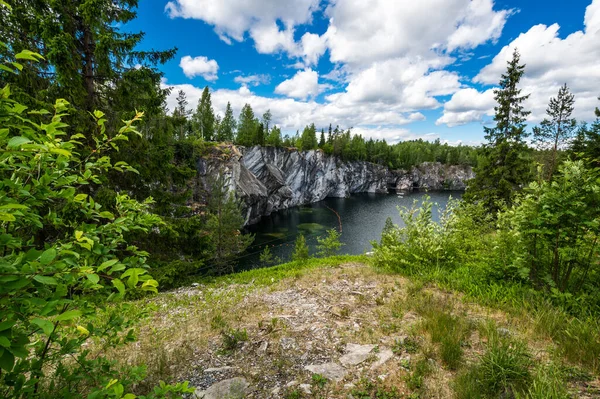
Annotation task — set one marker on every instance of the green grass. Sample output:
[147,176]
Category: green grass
[502,371]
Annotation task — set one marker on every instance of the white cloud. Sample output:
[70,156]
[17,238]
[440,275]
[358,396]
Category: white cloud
[292,114]
[232,19]
[552,61]
[401,84]
[199,66]
[253,80]
[302,85]
[467,105]
[396,28]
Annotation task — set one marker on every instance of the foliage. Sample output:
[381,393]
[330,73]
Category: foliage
[556,133]
[329,245]
[267,258]
[300,249]
[232,338]
[247,126]
[203,120]
[224,224]
[586,144]
[559,226]
[227,126]
[503,167]
[63,257]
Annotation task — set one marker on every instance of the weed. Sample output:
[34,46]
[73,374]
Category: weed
[408,344]
[368,389]
[450,332]
[416,378]
[295,394]
[502,370]
[319,381]
[218,322]
[232,338]
[548,382]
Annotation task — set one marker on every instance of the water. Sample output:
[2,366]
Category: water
[362,217]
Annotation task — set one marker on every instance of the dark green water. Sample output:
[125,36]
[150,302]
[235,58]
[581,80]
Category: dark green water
[362,217]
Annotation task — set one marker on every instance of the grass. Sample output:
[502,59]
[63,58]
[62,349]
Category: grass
[441,346]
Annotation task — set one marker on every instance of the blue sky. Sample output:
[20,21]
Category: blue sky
[392,69]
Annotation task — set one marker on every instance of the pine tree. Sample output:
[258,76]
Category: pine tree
[180,115]
[274,137]
[203,119]
[246,127]
[503,167]
[259,136]
[322,140]
[266,121]
[226,131]
[309,138]
[300,249]
[556,132]
[224,224]
[88,59]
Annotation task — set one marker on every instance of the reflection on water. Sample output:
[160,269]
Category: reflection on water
[362,218]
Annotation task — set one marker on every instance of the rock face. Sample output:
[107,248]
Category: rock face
[268,179]
[432,176]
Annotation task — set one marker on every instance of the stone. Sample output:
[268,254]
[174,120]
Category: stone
[331,371]
[356,354]
[306,388]
[291,384]
[234,388]
[382,357]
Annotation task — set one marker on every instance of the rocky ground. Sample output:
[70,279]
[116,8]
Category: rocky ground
[336,332]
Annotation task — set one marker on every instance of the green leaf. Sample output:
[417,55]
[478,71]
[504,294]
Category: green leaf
[7,361]
[94,278]
[68,315]
[7,217]
[46,325]
[60,151]
[119,286]
[48,256]
[4,342]
[106,215]
[28,55]
[17,141]
[80,197]
[108,263]
[13,206]
[45,280]
[78,235]
[5,325]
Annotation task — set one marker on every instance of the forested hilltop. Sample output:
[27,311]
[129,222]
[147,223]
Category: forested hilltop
[96,219]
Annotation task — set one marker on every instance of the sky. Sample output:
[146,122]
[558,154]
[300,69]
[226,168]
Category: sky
[388,69]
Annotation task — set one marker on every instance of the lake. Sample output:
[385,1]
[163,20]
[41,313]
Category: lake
[362,217]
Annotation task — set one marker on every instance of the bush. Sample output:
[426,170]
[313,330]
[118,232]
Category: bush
[329,245]
[300,249]
[65,259]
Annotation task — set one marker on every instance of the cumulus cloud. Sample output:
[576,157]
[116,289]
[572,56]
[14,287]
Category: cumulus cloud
[467,105]
[552,61]
[397,28]
[232,19]
[253,80]
[292,114]
[199,66]
[302,85]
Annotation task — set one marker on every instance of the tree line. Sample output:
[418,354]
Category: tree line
[250,130]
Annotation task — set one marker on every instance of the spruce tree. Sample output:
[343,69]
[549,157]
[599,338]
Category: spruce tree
[503,167]
[89,60]
[227,126]
[322,140]
[246,127]
[204,118]
[224,224]
[556,131]
[274,137]
[180,116]
[259,136]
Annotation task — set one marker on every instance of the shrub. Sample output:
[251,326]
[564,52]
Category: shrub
[300,249]
[66,263]
[329,245]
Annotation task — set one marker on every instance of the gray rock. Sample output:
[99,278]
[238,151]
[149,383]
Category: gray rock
[356,354]
[331,371]
[234,388]
[382,357]
[305,388]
